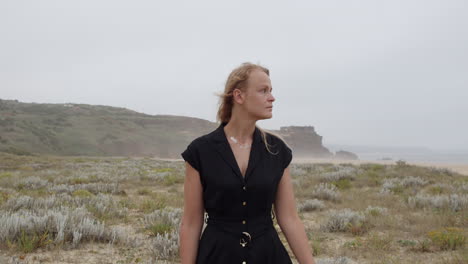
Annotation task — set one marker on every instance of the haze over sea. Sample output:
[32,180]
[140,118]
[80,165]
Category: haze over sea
[415,154]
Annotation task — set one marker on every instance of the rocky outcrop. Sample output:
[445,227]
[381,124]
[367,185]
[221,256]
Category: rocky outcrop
[304,141]
[345,155]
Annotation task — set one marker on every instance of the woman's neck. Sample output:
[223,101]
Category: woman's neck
[241,130]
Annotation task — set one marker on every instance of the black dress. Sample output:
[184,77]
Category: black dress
[239,227]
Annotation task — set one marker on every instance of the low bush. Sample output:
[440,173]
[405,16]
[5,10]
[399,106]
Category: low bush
[311,205]
[398,185]
[29,230]
[325,191]
[375,211]
[453,202]
[449,238]
[337,260]
[346,220]
[165,244]
[341,173]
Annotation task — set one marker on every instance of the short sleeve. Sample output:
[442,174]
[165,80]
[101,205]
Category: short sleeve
[287,156]
[191,156]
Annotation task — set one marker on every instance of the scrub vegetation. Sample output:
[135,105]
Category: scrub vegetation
[128,210]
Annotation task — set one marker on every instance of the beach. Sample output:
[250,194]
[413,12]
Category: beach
[461,168]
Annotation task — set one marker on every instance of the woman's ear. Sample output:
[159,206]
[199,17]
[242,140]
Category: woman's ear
[238,96]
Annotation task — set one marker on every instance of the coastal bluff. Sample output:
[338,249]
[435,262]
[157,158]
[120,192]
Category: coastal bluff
[304,141]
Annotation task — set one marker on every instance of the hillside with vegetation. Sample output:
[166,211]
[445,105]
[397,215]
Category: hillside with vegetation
[93,130]
[96,130]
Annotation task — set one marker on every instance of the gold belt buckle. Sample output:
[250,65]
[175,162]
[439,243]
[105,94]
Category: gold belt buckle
[243,242]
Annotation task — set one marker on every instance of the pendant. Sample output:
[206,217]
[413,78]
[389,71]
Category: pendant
[242,146]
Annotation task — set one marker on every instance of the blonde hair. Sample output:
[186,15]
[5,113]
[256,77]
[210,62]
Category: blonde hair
[237,79]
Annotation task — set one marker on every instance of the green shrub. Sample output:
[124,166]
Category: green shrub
[318,248]
[406,243]
[375,211]
[149,206]
[373,167]
[17,151]
[5,175]
[159,229]
[379,242]
[29,242]
[79,181]
[342,184]
[172,179]
[437,190]
[127,203]
[449,238]
[82,193]
[353,244]
[423,246]
[3,197]
[163,170]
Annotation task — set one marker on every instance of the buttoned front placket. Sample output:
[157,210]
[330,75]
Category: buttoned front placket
[245,218]
[226,152]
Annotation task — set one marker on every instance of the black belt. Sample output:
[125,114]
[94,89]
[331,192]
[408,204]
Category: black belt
[254,227]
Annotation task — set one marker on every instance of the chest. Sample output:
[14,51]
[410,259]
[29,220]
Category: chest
[225,168]
[242,156]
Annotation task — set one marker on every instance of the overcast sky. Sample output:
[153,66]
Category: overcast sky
[387,73]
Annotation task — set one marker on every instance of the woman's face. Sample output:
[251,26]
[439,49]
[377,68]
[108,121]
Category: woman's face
[259,99]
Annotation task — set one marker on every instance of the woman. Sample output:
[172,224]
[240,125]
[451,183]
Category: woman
[235,174]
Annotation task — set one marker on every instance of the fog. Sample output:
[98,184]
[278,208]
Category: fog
[372,73]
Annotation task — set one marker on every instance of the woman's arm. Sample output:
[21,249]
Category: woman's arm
[192,218]
[289,221]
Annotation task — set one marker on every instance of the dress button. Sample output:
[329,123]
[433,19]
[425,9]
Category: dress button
[243,188]
[243,222]
[244,203]
[244,262]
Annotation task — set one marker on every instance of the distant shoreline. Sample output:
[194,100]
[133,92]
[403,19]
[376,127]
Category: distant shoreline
[461,168]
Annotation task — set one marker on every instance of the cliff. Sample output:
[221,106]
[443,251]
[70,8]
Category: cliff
[305,142]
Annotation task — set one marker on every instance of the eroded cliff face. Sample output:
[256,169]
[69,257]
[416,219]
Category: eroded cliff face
[304,141]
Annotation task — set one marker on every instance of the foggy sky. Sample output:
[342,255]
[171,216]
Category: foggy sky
[387,73]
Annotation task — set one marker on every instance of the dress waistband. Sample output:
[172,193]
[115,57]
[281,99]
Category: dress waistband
[254,226]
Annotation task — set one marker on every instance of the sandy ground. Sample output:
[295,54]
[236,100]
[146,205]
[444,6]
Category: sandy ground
[457,167]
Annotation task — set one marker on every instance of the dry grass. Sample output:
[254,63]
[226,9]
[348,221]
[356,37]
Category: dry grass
[126,211]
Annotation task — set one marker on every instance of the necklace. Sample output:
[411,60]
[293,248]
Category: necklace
[242,146]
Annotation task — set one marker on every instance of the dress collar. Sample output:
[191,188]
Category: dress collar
[221,145]
[220,135]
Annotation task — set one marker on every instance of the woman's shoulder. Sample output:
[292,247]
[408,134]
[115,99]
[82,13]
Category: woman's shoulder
[276,141]
[197,142]
[200,141]
[282,148]
[193,152]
